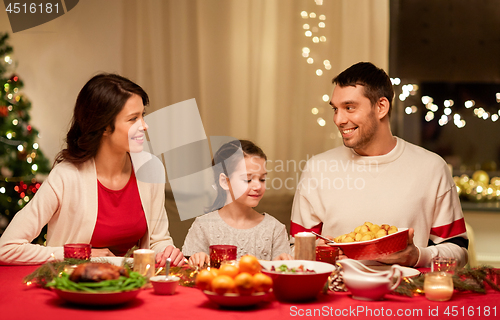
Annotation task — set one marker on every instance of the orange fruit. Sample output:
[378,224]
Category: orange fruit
[262,282]
[214,271]
[223,284]
[229,270]
[244,283]
[204,280]
[249,264]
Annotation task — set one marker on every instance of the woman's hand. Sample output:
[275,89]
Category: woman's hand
[199,259]
[284,256]
[105,252]
[175,255]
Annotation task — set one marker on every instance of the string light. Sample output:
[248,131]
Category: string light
[312,29]
[469,104]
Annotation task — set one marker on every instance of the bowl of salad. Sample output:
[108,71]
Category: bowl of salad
[297,280]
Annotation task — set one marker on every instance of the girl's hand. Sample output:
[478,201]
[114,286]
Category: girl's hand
[171,252]
[199,259]
[101,253]
[284,256]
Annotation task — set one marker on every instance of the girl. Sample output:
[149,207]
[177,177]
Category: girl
[92,195]
[240,179]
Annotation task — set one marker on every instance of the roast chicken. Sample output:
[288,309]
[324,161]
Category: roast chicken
[96,272]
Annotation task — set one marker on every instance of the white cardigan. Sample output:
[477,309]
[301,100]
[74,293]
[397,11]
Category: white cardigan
[67,201]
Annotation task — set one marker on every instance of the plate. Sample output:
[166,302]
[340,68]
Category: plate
[407,271]
[237,300]
[373,249]
[97,298]
[117,261]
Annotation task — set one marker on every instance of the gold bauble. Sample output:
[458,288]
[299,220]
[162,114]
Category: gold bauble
[481,176]
[495,181]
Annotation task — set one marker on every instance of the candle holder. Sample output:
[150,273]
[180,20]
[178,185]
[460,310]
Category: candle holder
[305,246]
[444,264]
[327,254]
[438,286]
[144,262]
[77,251]
[221,253]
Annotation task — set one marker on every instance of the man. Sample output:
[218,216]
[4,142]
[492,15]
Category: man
[379,178]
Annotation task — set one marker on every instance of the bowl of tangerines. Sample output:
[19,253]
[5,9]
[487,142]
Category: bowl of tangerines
[235,285]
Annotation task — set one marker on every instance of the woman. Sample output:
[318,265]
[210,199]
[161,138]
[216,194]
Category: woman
[92,195]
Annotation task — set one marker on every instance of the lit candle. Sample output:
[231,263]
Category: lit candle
[305,246]
[144,262]
[438,286]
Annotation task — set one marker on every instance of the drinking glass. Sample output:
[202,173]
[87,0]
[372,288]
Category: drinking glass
[221,253]
[77,251]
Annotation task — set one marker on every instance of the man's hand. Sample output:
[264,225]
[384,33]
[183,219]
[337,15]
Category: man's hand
[407,257]
[171,252]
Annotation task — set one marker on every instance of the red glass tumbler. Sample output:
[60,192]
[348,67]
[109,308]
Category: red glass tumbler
[327,254]
[221,253]
[77,251]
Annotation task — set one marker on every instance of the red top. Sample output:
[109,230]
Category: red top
[121,221]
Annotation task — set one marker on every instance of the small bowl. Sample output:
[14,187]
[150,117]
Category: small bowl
[376,248]
[298,286]
[164,285]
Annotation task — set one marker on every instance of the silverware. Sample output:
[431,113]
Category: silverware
[324,238]
[167,268]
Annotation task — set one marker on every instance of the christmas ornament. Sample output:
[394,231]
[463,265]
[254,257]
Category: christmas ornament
[335,282]
[481,176]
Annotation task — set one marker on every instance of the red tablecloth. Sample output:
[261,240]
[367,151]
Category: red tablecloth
[18,301]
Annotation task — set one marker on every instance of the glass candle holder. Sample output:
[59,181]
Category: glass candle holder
[77,251]
[144,262]
[327,254]
[443,264]
[220,253]
[438,286]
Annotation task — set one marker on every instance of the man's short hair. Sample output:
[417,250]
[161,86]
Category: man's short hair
[376,82]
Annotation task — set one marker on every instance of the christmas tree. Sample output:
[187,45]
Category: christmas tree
[22,164]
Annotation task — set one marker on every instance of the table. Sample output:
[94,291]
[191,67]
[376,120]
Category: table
[18,301]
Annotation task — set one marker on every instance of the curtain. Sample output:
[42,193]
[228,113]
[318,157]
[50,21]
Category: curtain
[243,62]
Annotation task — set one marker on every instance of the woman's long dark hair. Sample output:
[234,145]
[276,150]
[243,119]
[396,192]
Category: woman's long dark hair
[228,165]
[96,108]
